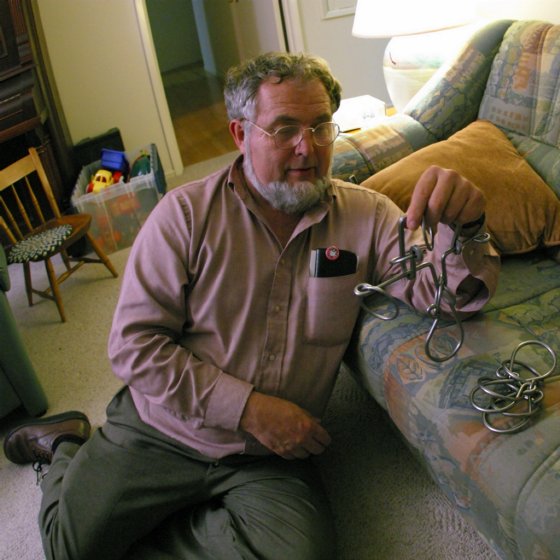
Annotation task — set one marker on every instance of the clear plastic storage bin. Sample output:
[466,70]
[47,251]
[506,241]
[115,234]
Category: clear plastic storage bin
[119,211]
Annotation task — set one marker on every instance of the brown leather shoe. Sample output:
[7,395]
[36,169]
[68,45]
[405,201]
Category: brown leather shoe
[36,441]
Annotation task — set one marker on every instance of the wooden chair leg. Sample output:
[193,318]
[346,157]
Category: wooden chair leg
[66,259]
[28,285]
[102,256]
[54,289]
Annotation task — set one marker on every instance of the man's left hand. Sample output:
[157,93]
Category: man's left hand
[442,195]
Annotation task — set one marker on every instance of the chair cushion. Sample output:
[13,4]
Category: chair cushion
[39,245]
[522,211]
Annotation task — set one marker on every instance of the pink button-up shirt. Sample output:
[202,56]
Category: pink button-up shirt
[213,307]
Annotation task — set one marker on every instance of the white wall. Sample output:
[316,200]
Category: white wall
[97,56]
[355,62]
[258,27]
[547,10]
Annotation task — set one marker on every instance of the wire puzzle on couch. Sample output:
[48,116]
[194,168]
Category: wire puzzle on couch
[411,262]
[511,394]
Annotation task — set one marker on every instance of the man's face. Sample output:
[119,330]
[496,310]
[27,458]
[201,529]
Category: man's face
[290,102]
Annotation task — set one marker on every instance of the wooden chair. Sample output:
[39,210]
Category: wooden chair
[35,236]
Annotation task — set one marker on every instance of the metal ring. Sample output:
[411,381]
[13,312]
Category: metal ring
[542,345]
[428,235]
[511,430]
[483,384]
[364,290]
[431,332]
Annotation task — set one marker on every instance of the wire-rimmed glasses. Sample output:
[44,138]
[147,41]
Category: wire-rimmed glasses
[289,136]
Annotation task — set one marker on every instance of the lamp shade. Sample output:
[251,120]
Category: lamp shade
[392,18]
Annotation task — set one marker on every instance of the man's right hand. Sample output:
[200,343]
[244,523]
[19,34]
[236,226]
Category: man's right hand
[283,427]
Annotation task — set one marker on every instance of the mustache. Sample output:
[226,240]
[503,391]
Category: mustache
[291,198]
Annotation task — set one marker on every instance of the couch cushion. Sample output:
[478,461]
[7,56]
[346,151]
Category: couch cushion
[498,481]
[522,212]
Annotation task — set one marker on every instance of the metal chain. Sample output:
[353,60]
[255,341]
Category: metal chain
[411,261]
[511,394]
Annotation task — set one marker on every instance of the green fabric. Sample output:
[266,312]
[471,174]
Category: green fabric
[4,274]
[16,368]
[8,399]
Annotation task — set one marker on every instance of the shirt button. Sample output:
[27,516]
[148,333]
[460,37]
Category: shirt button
[276,309]
[272,357]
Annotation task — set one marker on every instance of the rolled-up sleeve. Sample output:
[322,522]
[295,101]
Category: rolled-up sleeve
[471,275]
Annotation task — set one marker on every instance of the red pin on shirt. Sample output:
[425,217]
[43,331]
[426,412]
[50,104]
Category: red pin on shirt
[332,253]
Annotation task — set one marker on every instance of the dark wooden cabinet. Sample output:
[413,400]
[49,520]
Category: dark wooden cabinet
[18,107]
[15,49]
[28,111]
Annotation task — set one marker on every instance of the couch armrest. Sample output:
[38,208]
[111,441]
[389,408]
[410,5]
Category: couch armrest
[360,155]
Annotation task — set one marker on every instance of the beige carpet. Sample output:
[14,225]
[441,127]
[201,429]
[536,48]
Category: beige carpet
[385,506]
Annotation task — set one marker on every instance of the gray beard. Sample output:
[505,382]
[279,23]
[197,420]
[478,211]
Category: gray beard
[291,198]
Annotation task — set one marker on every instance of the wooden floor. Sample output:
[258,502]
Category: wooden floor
[198,113]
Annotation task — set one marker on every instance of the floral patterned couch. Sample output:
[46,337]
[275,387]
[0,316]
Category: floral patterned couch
[495,113]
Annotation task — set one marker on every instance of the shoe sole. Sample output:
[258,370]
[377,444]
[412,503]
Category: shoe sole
[71,415]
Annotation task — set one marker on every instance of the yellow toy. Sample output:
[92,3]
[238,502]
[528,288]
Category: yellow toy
[101,180]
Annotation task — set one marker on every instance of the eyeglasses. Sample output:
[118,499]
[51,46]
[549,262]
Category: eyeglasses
[287,137]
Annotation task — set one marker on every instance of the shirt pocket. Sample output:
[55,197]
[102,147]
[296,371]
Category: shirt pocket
[332,309]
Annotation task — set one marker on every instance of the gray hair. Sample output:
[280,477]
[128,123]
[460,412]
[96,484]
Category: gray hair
[243,81]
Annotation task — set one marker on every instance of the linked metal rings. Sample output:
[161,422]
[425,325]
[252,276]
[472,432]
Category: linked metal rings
[515,393]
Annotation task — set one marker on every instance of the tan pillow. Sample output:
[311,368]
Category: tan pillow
[522,210]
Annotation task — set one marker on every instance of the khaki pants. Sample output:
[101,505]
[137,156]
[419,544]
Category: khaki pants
[131,487]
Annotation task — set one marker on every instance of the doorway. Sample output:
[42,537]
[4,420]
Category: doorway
[196,105]
[195,42]
[194,94]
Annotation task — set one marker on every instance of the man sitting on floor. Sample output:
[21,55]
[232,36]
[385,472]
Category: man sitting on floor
[228,342]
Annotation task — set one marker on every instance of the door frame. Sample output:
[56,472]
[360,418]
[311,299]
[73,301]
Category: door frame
[292,25]
[154,75]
